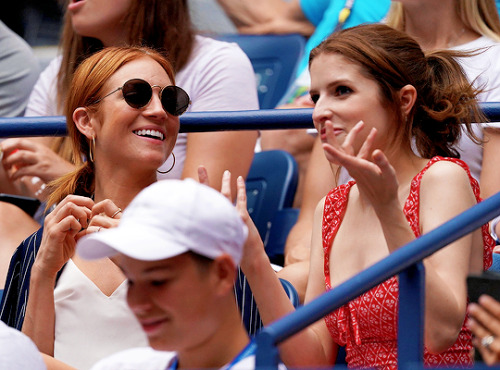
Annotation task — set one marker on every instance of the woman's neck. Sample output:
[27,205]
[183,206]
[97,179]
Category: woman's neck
[406,164]
[436,25]
[121,186]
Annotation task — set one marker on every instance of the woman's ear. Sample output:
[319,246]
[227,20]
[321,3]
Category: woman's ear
[83,122]
[407,97]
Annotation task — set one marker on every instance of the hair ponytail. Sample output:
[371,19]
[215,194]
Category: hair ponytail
[78,182]
[448,104]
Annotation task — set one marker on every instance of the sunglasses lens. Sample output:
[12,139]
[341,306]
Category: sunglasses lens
[137,93]
[174,100]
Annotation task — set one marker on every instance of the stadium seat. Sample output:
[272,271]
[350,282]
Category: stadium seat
[495,266]
[282,222]
[274,59]
[271,184]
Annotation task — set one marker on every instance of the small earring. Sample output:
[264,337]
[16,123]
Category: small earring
[170,169]
[92,144]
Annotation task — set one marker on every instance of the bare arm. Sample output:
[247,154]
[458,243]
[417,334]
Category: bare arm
[39,322]
[57,246]
[54,364]
[446,270]
[490,175]
[267,16]
[313,346]
[216,152]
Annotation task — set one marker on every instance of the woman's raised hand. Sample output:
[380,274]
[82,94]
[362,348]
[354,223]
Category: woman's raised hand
[61,227]
[253,246]
[23,157]
[373,173]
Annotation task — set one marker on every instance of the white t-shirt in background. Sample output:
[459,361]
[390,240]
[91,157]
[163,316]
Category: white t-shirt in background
[217,77]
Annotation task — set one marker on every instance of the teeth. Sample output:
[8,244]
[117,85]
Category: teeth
[149,133]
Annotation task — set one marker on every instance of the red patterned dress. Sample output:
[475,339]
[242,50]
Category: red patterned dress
[367,325]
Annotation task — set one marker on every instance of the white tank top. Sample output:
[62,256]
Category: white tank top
[90,325]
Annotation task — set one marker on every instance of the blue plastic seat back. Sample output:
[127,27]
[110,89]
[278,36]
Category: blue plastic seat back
[495,266]
[274,59]
[271,184]
[283,221]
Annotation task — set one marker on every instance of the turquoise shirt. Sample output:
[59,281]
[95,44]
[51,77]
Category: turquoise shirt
[324,15]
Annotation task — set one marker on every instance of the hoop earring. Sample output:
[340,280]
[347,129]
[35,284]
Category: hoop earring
[170,169]
[92,144]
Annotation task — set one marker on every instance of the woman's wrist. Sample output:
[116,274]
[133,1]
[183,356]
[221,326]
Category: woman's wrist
[41,271]
[41,281]
[253,264]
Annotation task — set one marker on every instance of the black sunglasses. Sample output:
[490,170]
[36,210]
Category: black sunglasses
[138,93]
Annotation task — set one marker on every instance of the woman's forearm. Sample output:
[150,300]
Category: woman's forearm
[39,320]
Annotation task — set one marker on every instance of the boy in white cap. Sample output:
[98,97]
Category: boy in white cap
[179,244]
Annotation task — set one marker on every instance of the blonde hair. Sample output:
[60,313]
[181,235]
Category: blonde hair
[480,16]
[86,89]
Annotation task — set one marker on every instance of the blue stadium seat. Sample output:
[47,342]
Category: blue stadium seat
[282,222]
[271,184]
[274,59]
[495,266]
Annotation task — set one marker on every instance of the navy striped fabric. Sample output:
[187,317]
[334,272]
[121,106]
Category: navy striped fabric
[16,290]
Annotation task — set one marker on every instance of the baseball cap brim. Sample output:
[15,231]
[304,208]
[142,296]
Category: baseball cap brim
[143,243]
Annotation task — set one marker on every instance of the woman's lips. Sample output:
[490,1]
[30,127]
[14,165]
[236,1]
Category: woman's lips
[74,5]
[336,132]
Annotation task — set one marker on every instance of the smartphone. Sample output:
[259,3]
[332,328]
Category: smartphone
[487,282]
[27,204]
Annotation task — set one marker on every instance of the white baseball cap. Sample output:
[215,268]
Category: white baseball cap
[168,218]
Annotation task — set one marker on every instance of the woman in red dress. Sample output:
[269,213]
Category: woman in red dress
[389,114]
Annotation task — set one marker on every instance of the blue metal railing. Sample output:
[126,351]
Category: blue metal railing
[264,119]
[406,261]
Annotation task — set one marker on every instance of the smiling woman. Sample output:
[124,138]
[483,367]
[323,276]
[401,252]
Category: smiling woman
[124,145]
[217,75]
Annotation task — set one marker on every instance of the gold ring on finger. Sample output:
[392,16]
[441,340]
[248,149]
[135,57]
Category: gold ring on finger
[117,211]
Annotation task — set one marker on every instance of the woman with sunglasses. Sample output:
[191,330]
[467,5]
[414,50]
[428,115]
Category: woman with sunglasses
[123,117]
[217,76]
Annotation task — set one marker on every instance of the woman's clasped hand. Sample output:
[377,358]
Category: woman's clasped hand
[74,217]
